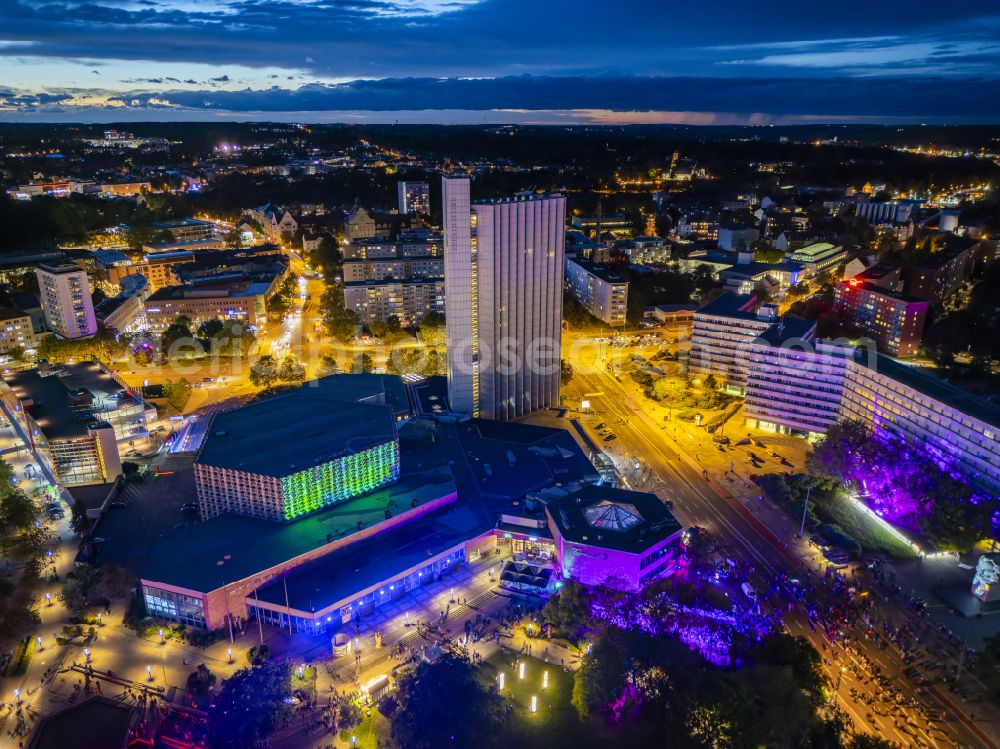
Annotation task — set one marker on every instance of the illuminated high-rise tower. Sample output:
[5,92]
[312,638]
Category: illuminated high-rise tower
[503,300]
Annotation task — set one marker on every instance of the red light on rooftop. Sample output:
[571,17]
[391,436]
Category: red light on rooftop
[854,283]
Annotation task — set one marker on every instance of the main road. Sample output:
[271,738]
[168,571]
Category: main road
[699,499]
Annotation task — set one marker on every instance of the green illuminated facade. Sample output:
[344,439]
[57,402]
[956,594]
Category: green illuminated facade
[340,479]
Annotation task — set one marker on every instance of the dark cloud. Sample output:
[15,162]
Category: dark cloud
[912,97]
[859,57]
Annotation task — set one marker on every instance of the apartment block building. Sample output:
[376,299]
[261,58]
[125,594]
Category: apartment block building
[893,320]
[16,330]
[721,335]
[941,275]
[599,289]
[64,292]
[414,197]
[409,301]
[795,389]
[802,388]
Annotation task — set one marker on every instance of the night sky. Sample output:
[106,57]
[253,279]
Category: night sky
[550,61]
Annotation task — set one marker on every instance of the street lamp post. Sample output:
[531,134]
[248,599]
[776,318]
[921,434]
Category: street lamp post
[805,509]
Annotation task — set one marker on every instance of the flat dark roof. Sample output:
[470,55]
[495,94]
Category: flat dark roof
[190,557]
[342,574]
[368,388]
[509,460]
[104,722]
[655,521]
[291,432]
[941,390]
[789,327]
[882,291]
[601,271]
[52,405]
[729,304]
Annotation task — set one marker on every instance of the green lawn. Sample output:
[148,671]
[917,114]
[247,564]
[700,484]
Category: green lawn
[556,723]
[863,528]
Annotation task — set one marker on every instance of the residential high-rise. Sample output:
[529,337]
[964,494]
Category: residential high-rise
[504,265]
[598,288]
[414,197]
[65,295]
[894,320]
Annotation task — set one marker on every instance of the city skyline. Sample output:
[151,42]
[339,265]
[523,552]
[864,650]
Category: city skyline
[409,61]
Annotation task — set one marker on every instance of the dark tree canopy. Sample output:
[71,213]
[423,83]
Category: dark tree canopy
[443,704]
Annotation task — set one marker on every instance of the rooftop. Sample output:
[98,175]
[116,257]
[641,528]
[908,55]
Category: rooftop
[872,288]
[789,327]
[603,272]
[340,576]
[387,390]
[60,269]
[815,250]
[941,390]
[177,223]
[756,269]
[738,306]
[11,313]
[612,518]
[510,460]
[53,404]
[103,721]
[288,433]
[239,285]
[205,556]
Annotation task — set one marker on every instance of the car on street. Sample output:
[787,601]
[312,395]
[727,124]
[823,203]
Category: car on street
[600,426]
[189,507]
[609,437]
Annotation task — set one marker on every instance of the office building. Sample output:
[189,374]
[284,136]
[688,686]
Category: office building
[893,320]
[72,418]
[294,454]
[239,297]
[599,289]
[65,296]
[720,337]
[504,267]
[415,198]
[110,267]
